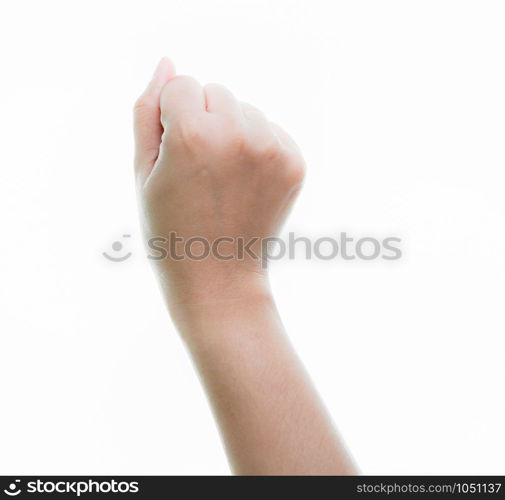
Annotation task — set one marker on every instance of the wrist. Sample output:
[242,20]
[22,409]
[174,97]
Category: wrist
[185,292]
[211,313]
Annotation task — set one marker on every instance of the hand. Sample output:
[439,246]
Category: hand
[211,167]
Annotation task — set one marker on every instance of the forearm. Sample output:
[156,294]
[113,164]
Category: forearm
[270,416]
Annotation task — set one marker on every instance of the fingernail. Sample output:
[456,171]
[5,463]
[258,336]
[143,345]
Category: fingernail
[157,71]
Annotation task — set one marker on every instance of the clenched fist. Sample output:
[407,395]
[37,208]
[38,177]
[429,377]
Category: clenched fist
[215,177]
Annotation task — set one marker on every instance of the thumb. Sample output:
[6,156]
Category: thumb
[146,121]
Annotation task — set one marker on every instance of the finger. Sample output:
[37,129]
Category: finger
[220,100]
[257,124]
[147,126]
[251,112]
[285,139]
[181,95]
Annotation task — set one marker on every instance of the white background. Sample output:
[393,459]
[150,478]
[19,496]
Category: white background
[399,108]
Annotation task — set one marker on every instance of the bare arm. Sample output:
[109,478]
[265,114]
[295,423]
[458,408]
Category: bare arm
[269,414]
[223,173]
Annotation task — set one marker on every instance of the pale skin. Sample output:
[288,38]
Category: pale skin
[210,166]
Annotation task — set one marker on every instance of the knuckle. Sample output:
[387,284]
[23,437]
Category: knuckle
[189,132]
[230,135]
[265,152]
[235,139]
[213,86]
[294,170]
[179,81]
[140,105]
[176,86]
[252,112]
[183,80]
[272,151]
